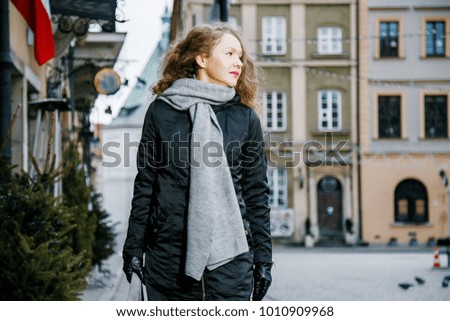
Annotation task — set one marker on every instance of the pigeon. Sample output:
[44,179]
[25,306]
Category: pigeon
[405,286]
[446,281]
[419,281]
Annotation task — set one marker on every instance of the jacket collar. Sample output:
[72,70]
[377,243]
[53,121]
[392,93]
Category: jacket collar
[226,105]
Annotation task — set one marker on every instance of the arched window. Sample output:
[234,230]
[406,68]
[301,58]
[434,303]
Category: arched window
[411,202]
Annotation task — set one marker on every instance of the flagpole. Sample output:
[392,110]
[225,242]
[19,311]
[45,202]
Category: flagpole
[5,80]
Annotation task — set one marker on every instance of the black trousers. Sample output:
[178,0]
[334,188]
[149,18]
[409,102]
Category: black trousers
[232,281]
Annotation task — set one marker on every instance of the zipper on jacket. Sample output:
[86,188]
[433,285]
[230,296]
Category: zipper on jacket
[203,288]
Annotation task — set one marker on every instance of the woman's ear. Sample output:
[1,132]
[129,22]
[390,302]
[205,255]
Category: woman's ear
[201,60]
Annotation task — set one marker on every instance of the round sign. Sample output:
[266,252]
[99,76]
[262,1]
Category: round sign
[106,81]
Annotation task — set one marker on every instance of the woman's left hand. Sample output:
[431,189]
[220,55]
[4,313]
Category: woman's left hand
[262,280]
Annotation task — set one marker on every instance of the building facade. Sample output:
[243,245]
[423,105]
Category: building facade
[61,91]
[28,80]
[404,120]
[307,52]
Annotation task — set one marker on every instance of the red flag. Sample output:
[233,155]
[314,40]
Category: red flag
[38,19]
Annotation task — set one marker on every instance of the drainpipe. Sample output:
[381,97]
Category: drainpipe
[5,80]
[175,20]
[358,130]
[71,78]
[219,11]
[223,10]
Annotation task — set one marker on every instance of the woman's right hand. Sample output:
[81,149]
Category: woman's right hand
[133,264]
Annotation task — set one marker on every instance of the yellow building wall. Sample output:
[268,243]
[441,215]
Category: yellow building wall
[380,177]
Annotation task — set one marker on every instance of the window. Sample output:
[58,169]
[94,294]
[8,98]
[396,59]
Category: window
[329,110]
[275,106]
[329,41]
[436,120]
[389,42]
[274,35]
[389,38]
[389,117]
[411,202]
[277,178]
[435,39]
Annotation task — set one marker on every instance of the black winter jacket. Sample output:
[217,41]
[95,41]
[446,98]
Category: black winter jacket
[157,223]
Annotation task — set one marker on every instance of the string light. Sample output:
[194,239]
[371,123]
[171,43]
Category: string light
[324,72]
[413,158]
[315,41]
[375,82]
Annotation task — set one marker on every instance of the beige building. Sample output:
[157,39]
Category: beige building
[61,89]
[28,80]
[307,50]
[404,120]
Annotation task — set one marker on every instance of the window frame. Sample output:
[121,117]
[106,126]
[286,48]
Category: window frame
[382,53]
[274,110]
[408,194]
[399,135]
[434,40]
[329,111]
[422,130]
[278,35]
[275,188]
[425,20]
[400,42]
[329,40]
[403,113]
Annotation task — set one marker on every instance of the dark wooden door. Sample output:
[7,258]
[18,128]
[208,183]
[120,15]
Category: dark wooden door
[329,200]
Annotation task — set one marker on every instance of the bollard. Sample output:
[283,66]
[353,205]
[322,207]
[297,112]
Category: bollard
[436,263]
[445,242]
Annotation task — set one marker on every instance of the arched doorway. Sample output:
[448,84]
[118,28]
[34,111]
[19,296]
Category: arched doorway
[329,205]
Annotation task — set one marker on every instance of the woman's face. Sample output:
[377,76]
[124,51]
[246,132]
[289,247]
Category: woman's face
[224,65]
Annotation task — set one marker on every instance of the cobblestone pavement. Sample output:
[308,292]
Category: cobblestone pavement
[325,274]
[350,274]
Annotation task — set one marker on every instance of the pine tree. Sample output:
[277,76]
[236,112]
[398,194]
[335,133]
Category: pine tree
[48,245]
[36,254]
[104,235]
[76,195]
[38,262]
[94,233]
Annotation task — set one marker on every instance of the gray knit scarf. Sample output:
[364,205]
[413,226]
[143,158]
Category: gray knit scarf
[215,231]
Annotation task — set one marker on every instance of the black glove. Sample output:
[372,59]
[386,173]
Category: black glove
[261,280]
[132,264]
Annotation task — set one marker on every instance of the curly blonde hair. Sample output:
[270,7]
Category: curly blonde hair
[179,61]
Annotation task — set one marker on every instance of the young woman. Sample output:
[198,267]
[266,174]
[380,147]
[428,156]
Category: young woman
[200,206]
